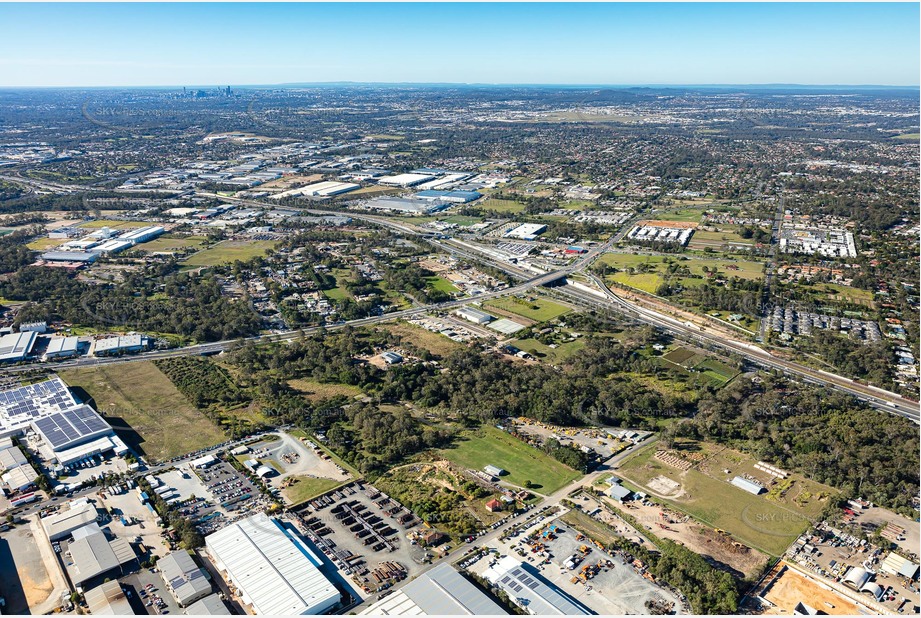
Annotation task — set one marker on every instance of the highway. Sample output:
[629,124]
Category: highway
[604,298]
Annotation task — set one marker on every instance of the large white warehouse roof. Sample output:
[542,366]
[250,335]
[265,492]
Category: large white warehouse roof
[275,571]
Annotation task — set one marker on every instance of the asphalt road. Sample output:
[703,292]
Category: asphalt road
[878,397]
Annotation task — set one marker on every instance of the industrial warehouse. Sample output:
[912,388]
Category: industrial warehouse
[275,572]
[441,591]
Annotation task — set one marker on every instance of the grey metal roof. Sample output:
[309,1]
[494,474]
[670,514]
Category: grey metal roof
[444,591]
[541,598]
[95,554]
[211,605]
[185,578]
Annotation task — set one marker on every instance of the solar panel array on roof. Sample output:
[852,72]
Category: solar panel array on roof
[19,406]
[64,429]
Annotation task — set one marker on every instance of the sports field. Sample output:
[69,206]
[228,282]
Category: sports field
[145,408]
[769,522]
[490,446]
[229,251]
[533,308]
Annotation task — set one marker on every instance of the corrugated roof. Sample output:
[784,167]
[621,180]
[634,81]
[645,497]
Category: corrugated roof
[520,581]
[274,570]
[439,591]
[211,605]
[108,599]
[185,578]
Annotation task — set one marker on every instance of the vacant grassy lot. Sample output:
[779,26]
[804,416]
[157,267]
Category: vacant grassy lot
[762,522]
[533,308]
[500,205]
[488,445]
[421,338]
[145,408]
[112,223]
[166,244]
[44,244]
[700,240]
[744,269]
[555,355]
[229,251]
[304,488]
[591,527]
[679,214]
[441,284]
[316,391]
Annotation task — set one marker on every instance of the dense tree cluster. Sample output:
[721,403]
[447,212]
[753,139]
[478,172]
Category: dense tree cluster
[204,383]
[178,303]
[824,435]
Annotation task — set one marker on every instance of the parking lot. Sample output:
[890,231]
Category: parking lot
[223,494]
[359,530]
[149,592]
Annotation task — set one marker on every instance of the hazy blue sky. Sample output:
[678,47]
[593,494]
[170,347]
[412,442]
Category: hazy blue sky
[654,43]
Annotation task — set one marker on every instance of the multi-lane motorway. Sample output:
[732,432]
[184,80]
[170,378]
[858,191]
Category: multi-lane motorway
[603,298]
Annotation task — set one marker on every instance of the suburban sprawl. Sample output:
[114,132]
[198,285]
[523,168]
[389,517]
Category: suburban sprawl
[459,350]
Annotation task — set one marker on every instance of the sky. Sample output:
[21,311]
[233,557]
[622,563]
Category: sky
[178,44]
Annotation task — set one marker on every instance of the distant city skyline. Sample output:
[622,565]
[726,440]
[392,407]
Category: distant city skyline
[240,44]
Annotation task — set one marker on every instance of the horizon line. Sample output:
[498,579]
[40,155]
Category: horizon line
[477,84]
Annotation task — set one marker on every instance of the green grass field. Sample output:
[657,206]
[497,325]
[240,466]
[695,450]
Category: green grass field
[441,284]
[500,205]
[701,240]
[112,223]
[764,522]
[488,445]
[656,267]
[315,391]
[145,408]
[555,355]
[166,244]
[679,214]
[44,244]
[419,337]
[229,251]
[914,137]
[534,308]
[304,488]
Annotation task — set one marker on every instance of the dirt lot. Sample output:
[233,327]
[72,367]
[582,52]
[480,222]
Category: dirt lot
[792,587]
[700,539]
[24,579]
[880,516]
[595,438]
